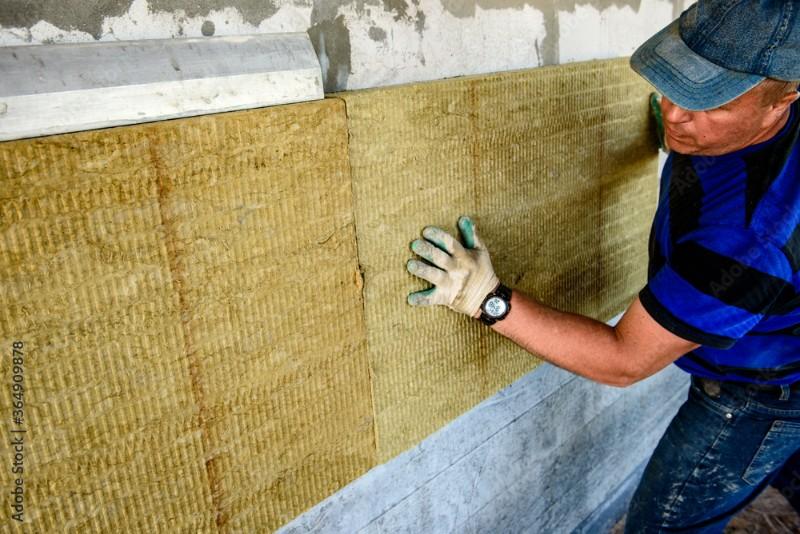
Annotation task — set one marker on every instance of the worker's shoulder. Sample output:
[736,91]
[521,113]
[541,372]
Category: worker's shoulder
[772,191]
[770,248]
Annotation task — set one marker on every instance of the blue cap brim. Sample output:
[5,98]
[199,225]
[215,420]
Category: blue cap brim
[686,78]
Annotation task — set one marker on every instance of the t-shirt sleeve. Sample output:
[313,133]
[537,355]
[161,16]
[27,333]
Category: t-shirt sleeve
[717,285]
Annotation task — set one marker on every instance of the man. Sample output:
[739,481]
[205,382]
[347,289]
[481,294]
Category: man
[722,299]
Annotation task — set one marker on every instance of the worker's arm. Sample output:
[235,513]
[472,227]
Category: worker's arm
[619,356]
[463,275]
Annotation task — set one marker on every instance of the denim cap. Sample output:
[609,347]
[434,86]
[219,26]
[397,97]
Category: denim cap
[718,50]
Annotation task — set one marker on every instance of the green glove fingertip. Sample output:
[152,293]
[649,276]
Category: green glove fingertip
[467,228]
[420,298]
[655,107]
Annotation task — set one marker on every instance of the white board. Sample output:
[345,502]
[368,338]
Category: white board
[48,89]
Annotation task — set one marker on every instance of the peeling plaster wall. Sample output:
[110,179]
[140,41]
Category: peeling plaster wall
[367,43]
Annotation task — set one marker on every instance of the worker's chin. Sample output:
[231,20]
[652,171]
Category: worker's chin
[689,147]
[683,146]
[687,151]
[692,150]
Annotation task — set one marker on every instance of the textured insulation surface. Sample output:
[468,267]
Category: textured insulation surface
[202,352]
[185,359]
[557,168]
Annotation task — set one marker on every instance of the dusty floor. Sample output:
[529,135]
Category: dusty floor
[771,513]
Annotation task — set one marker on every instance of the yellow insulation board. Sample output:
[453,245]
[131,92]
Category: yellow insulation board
[201,353]
[190,305]
[558,169]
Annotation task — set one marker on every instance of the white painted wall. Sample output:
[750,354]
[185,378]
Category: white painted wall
[491,40]
[589,33]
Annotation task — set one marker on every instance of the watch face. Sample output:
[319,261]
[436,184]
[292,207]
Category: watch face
[495,307]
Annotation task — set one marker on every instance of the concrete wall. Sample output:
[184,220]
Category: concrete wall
[550,453]
[367,43]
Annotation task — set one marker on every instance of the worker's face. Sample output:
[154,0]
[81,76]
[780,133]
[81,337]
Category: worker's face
[742,122]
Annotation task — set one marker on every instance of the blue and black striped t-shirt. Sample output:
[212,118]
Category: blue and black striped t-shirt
[725,256]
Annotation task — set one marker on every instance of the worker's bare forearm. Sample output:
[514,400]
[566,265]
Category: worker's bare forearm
[573,342]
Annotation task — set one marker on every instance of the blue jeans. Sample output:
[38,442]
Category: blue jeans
[718,453]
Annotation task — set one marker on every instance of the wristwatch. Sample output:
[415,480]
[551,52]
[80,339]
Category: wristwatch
[496,305]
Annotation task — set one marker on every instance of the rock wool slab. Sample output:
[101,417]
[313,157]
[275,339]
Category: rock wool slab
[185,360]
[558,169]
[213,309]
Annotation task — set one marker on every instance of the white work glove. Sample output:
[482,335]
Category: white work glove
[463,275]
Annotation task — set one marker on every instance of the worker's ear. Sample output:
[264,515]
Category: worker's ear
[785,101]
[779,107]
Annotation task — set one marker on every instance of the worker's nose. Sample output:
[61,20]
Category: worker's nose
[674,113]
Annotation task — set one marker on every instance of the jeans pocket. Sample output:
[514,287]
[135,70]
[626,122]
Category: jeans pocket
[722,405]
[781,441]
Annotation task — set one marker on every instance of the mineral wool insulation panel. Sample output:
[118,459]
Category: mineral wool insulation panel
[557,167]
[191,305]
[189,299]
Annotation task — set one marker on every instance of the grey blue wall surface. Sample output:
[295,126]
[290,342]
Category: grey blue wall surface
[551,453]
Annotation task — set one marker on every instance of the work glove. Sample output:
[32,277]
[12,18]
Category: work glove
[655,108]
[462,274]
